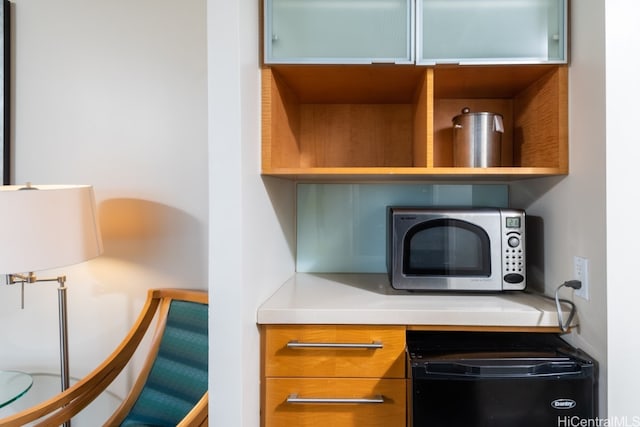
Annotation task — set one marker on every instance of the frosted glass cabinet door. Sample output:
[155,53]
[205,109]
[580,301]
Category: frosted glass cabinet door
[338,31]
[491,31]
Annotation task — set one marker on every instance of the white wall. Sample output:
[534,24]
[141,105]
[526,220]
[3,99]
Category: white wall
[589,212]
[111,93]
[251,237]
[573,207]
[623,151]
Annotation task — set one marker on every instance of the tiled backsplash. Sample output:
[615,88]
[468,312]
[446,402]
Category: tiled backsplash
[341,228]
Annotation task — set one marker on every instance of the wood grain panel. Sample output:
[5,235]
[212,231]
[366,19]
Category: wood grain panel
[280,361]
[423,123]
[391,413]
[380,122]
[352,84]
[355,135]
[540,134]
[490,81]
[378,174]
[280,123]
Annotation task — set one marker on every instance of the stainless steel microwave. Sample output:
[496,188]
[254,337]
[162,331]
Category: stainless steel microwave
[475,249]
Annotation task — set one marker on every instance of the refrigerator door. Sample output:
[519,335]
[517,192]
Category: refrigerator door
[501,402]
[466,380]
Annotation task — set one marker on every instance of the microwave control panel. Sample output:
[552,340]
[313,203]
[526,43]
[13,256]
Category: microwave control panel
[513,256]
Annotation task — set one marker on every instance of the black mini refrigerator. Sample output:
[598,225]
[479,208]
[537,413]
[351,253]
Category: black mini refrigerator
[470,379]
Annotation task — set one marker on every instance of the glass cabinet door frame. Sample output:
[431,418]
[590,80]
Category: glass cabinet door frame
[562,39]
[270,59]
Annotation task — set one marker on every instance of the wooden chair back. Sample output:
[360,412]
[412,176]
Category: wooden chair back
[171,389]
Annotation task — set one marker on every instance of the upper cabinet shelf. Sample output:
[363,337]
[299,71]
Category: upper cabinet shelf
[424,32]
[392,121]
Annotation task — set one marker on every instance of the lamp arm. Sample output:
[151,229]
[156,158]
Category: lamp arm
[32,278]
[62,319]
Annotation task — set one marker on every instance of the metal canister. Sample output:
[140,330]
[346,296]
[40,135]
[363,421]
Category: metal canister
[477,139]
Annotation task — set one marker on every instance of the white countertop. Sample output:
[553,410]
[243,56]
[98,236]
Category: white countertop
[369,299]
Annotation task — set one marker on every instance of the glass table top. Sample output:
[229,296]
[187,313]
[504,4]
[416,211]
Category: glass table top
[13,384]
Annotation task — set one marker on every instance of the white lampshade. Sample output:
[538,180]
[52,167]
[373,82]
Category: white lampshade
[47,226]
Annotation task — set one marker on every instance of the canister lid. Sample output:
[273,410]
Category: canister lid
[466,111]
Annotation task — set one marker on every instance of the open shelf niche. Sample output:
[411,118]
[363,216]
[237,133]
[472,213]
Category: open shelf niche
[393,121]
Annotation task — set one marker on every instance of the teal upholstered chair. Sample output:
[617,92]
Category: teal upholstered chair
[172,387]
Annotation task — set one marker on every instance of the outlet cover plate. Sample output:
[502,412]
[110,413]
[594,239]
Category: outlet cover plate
[581,272]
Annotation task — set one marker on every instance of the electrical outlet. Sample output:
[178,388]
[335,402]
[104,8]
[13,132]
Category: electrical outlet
[581,272]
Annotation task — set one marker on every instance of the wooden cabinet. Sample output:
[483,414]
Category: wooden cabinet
[383,406]
[319,375]
[326,115]
[394,121]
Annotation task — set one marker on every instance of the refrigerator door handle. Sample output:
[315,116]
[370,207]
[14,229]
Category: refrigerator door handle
[508,368]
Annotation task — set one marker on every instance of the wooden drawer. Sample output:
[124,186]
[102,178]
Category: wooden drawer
[334,351]
[363,402]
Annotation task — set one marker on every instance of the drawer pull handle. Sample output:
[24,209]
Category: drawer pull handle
[372,345]
[293,398]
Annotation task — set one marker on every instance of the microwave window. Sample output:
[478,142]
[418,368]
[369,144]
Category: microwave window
[447,247]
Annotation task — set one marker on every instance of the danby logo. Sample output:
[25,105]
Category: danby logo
[563,404]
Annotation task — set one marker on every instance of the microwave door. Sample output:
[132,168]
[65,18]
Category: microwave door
[447,254]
